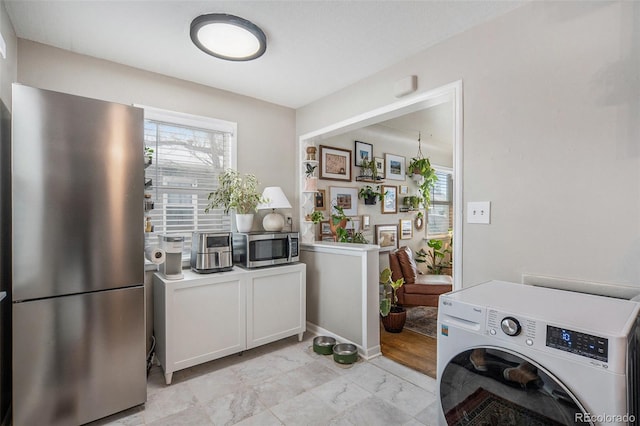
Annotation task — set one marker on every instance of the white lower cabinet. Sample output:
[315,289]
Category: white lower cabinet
[208,316]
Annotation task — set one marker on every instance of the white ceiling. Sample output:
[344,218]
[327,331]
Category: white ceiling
[314,47]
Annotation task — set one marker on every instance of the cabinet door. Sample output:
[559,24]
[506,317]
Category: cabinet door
[205,322]
[276,305]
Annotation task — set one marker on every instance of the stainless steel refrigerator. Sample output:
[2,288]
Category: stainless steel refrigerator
[78,269]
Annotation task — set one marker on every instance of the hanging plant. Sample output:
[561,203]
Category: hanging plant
[421,166]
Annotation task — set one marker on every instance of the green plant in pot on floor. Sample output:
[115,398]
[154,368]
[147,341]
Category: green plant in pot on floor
[393,316]
[436,258]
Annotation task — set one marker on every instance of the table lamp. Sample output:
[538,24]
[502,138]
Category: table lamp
[275,199]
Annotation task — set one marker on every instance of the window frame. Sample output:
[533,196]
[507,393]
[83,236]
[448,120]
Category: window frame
[198,122]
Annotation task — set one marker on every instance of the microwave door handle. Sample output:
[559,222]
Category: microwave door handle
[289,248]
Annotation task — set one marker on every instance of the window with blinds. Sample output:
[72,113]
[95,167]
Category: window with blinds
[189,155]
[440,214]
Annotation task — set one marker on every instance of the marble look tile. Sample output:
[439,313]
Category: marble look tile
[304,409]
[132,417]
[340,393]
[373,411]
[234,407]
[255,370]
[190,416]
[278,389]
[168,401]
[288,359]
[263,419]
[207,387]
[402,394]
[421,380]
[430,415]
[311,375]
[412,422]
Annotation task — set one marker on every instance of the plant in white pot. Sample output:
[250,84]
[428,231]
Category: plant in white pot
[237,192]
[310,181]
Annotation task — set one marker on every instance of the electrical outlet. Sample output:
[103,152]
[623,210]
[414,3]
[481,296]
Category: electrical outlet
[479,212]
[289,220]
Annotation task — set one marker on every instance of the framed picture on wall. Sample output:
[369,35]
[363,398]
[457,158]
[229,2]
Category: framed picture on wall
[404,189]
[394,167]
[354,223]
[347,198]
[406,229]
[335,163]
[320,197]
[325,229]
[363,151]
[387,237]
[390,201]
[379,161]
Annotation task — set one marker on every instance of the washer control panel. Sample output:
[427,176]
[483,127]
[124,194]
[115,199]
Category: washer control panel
[508,326]
[583,344]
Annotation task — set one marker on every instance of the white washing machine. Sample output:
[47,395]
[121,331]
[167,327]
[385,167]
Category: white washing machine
[513,354]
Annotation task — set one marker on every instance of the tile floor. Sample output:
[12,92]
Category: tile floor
[286,383]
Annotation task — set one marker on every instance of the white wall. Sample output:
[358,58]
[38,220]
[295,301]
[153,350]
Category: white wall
[551,137]
[8,65]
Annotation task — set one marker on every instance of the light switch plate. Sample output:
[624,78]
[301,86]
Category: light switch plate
[479,212]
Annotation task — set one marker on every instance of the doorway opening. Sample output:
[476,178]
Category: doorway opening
[394,120]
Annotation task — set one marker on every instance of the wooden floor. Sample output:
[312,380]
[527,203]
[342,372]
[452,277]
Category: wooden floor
[409,348]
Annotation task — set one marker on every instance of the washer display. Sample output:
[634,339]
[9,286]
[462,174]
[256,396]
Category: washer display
[520,355]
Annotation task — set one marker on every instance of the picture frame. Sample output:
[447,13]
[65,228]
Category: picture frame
[394,167]
[387,237]
[366,221]
[390,200]
[406,229]
[325,229]
[354,223]
[404,190]
[362,151]
[379,161]
[345,197]
[320,199]
[335,163]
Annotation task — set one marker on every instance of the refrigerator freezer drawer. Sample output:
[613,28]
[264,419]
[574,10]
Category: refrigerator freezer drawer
[78,358]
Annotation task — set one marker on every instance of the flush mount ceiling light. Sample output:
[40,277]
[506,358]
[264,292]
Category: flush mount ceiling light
[228,37]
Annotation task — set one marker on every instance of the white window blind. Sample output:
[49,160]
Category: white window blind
[440,214]
[187,161]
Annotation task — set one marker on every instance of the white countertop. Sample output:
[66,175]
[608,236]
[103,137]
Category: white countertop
[333,246]
[3,294]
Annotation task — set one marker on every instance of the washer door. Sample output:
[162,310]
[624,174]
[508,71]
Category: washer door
[495,386]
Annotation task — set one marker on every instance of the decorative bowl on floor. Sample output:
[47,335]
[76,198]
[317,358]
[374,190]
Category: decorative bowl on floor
[323,345]
[345,353]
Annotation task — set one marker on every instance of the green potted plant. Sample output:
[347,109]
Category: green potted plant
[338,220]
[412,202]
[370,195]
[425,175]
[315,217]
[393,316]
[237,192]
[310,181]
[148,155]
[436,258]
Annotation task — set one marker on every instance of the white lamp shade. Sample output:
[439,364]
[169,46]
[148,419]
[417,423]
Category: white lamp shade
[275,199]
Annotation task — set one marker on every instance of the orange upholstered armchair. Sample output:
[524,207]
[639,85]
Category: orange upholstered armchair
[418,290]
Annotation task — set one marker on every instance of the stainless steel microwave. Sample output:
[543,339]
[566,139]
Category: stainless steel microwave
[258,249]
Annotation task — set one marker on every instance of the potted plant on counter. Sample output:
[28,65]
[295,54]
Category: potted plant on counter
[393,316]
[237,192]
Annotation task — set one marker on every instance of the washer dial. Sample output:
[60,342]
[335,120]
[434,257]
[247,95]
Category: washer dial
[510,326]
